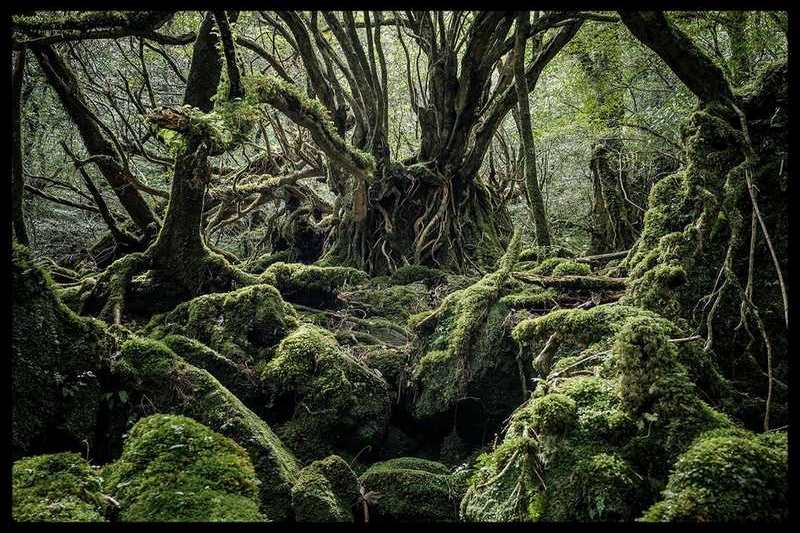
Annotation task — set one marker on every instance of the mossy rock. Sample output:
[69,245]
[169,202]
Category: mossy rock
[727,477]
[395,302]
[244,325]
[467,363]
[311,285]
[60,487]
[174,469]
[410,490]
[154,376]
[418,273]
[325,491]
[604,426]
[598,487]
[334,401]
[571,268]
[552,414]
[540,253]
[240,379]
[392,363]
[57,359]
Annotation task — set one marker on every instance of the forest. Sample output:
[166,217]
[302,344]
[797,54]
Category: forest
[399,266]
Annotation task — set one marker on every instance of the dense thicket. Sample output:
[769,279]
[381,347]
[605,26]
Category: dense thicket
[400,266]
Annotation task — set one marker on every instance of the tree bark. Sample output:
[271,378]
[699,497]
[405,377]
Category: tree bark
[180,237]
[535,201]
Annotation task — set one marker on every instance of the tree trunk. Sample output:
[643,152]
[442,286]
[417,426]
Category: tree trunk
[693,68]
[535,201]
[180,237]
[17,177]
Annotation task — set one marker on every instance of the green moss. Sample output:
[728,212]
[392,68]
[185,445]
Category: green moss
[411,490]
[325,491]
[156,377]
[540,253]
[174,469]
[598,487]
[338,402]
[418,273]
[395,303]
[57,358]
[392,363]
[244,325]
[468,330]
[529,298]
[56,488]
[571,268]
[548,266]
[240,379]
[551,414]
[311,285]
[726,478]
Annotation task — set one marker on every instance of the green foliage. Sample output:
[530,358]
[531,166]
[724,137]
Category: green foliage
[174,469]
[56,488]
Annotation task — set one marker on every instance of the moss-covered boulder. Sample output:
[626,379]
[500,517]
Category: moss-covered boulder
[418,273]
[613,410]
[325,491]
[698,248]
[727,476]
[60,487]
[411,490]
[157,380]
[466,368]
[394,302]
[328,400]
[174,469]
[243,326]
[310,285]
[58,358]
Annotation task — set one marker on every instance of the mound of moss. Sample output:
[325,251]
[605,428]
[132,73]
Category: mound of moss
[310,285]
[60,487]
[395,302]
[407,274]
[335,402]
[468,360]
[157,380]
[411,490]
[325,491]
[243,325]
[174,469]
[57,359]
[613,410]
[727,476]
